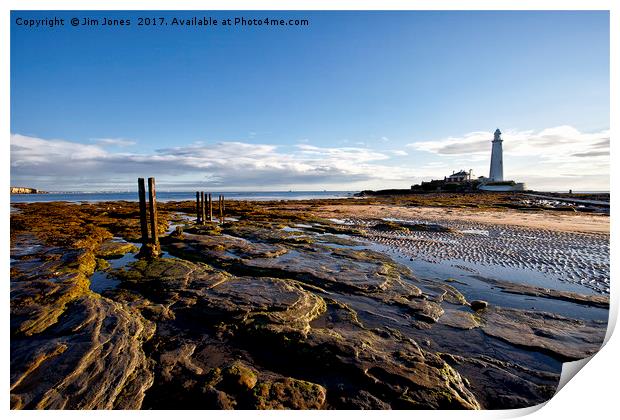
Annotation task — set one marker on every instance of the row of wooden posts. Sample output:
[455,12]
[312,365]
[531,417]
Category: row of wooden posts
[204,206]
[150,241]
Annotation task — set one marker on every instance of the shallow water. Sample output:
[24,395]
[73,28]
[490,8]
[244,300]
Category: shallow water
[473,288]
[179,219]
[469,277]
[101,280]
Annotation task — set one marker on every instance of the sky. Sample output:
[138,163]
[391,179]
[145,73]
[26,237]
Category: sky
[352,101]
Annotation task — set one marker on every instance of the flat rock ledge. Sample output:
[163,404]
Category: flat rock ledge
[276,314]
[565,338]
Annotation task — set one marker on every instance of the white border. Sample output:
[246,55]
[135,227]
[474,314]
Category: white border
[591,396]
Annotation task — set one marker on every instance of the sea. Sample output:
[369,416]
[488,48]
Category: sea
[177,196]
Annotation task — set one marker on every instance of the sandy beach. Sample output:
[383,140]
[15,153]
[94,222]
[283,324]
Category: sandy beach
[559,222]
[364,303]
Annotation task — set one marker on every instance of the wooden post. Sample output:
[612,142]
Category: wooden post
[144,229]
[220,209]
[197,207]
[202,208]
[210,208]
[153,210]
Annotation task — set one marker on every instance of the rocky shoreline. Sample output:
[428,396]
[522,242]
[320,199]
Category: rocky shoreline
[275,308]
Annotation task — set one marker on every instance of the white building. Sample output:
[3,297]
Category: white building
[460,176]
[495,181]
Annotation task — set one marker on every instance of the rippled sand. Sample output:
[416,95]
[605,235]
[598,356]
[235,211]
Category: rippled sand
[549,249]
[581,258]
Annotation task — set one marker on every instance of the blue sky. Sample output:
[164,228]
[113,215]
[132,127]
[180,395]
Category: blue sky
[354,100]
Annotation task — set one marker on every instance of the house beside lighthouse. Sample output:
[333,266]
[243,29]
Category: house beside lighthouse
[495,181]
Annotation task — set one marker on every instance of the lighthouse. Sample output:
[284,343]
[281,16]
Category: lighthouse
[495,181]
[496,174]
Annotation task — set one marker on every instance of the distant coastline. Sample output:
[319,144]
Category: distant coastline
[177,196]
[26,190]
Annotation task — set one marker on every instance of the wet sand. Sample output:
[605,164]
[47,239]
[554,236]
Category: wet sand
[553,221]
[548,249]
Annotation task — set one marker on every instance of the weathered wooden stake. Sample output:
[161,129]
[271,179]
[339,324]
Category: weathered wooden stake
[144,229]
[210,208]
[197,207]
[153,210]
[202,208]
[220,209]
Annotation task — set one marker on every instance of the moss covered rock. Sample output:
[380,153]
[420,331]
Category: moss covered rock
[239,377]
[115,249]
[289,393]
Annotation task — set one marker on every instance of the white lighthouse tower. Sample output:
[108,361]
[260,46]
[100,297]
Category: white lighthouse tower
[496,174]
[495,181]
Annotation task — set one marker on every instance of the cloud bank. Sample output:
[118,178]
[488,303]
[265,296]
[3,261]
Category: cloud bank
[60,164]
[554,158]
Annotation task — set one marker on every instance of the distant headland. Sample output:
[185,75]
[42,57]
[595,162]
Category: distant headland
[26,190]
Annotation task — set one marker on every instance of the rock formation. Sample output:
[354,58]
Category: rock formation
[271,311]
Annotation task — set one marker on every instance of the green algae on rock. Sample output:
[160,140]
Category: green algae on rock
[239,376]
[115,249]
[289,393]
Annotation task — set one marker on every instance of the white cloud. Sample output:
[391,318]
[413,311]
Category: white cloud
[32,151]
[399,153]
[114,142]
[230,164]
[550,158]
[476,142]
